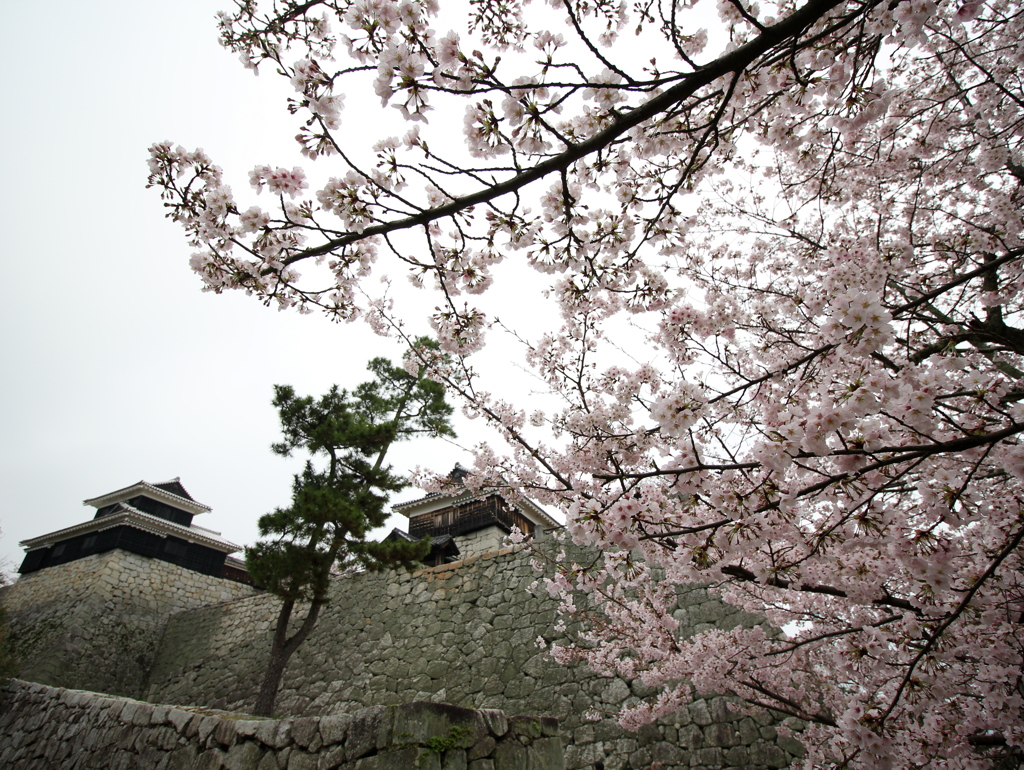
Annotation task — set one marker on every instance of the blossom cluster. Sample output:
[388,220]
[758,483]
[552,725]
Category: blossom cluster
[278,180]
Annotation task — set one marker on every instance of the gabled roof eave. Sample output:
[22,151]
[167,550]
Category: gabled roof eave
[140,520]
[437,500]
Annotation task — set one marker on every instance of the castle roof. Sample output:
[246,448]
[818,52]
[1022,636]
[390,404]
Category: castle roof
[456,492]
[170,492]
[437,540]
[443,548]
[122,513]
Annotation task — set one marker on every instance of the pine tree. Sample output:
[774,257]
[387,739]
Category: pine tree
[336,503]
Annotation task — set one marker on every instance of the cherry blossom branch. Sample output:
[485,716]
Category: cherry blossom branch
[905,453]
[746,576]
[1010,256]
[592,48]
[677,471]
[734,61]
[797,710]
[921,300]
[792,646]
[936,634]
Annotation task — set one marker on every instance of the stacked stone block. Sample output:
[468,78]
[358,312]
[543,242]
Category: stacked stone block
[465,634]
[480,541]
[43,728]
[96,623]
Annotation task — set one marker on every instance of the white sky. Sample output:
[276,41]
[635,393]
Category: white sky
[116,367]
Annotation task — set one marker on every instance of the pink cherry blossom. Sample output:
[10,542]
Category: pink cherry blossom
[787,360]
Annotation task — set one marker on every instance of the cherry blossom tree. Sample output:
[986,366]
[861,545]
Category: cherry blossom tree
[784,240]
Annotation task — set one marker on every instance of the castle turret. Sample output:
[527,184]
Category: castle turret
[93,599]
[153,520]
[476,521]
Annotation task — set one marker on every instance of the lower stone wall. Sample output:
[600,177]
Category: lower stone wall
[463,633]
[96,623]
[43,728]
[480,541]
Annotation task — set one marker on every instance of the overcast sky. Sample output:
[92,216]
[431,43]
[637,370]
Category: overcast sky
[116,367]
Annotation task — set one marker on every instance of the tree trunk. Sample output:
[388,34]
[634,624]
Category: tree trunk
[280,653]
[271,681]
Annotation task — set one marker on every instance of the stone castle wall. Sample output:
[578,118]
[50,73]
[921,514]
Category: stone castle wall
[481,541]
[42,728]
[96,623]
[463,634]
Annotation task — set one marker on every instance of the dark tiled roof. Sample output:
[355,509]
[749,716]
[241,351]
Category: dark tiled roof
[401,534]
[455,488]
[440,543]
[126,514]
[175,487]
[112,509]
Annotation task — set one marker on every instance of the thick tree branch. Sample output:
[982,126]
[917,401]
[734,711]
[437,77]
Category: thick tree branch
[744,575]
[735,61]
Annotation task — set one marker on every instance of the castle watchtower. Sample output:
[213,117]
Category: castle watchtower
[475,521]
[152,520]
[103,590]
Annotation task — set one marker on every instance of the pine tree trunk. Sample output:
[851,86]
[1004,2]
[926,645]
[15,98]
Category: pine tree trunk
[271,682]
[281,652]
